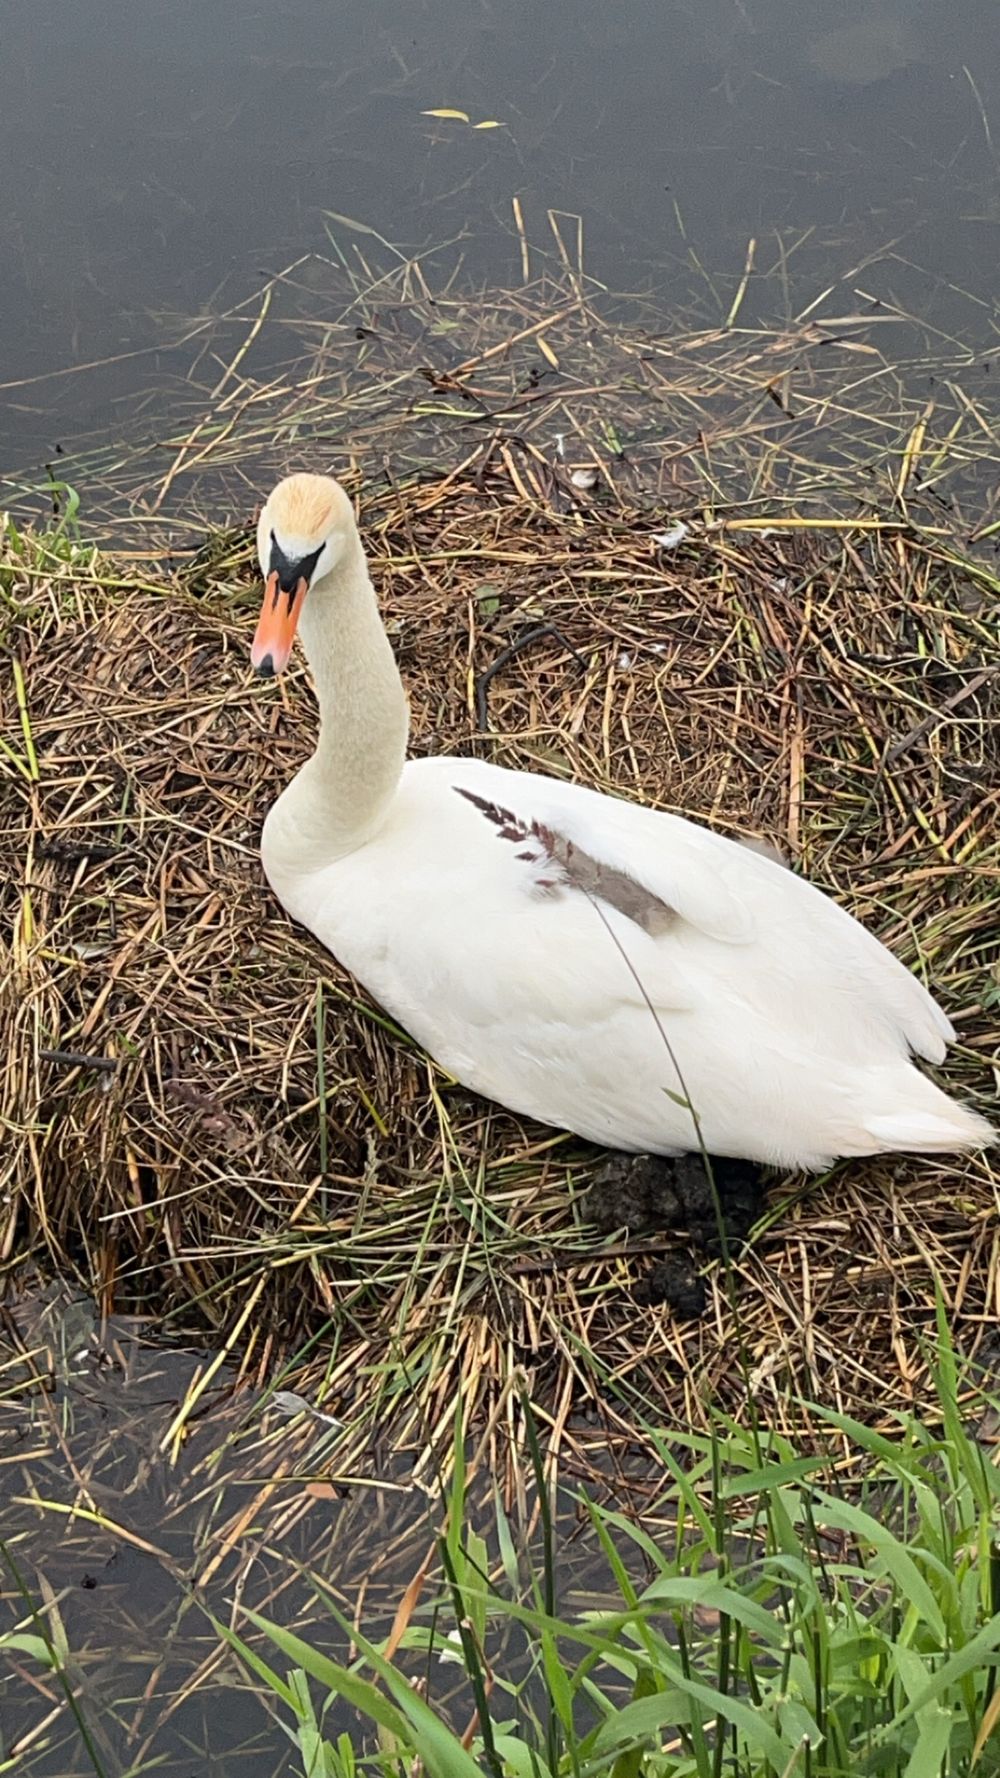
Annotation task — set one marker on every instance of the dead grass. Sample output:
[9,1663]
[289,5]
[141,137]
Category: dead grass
[207,1122]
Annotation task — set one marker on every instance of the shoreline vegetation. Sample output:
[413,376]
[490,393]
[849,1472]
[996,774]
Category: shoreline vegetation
[740,573]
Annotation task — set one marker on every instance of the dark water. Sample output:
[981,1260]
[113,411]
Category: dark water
[160,156]
[128,1545]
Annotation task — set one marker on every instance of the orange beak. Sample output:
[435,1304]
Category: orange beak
[279,616]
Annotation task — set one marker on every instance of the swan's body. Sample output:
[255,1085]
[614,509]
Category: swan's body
[717,980]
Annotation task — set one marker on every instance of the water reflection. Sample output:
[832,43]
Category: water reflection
[144,1490]
[161,158]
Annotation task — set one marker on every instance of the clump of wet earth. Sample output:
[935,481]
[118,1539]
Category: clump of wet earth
[652,1193]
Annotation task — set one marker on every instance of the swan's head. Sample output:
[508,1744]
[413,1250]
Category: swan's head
[305,529]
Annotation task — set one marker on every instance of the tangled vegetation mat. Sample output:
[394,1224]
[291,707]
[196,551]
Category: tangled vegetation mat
[208,1124]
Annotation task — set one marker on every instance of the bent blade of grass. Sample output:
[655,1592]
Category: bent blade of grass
[254,1661]
[897,1562]
[647,1715]
[975,1653]
[771,1476]
[865,1437]
[711,1594]
[339,1681]
[410,1719]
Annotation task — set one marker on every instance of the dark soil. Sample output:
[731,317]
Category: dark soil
[652,1194]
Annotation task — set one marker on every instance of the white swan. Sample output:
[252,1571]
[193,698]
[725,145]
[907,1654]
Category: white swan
[584,961]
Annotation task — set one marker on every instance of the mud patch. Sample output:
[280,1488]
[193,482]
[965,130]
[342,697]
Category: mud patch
[653,1194]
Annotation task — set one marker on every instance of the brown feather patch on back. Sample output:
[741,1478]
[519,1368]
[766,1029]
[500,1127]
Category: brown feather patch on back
[575,868]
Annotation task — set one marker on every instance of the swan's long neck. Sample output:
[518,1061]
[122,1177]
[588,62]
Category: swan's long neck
[344,791]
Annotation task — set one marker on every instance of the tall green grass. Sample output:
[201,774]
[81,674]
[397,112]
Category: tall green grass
[779,1625]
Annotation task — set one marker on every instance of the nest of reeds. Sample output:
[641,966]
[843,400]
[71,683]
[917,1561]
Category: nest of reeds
[208,1122]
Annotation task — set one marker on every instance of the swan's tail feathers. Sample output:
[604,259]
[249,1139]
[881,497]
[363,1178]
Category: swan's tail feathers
[948,1127]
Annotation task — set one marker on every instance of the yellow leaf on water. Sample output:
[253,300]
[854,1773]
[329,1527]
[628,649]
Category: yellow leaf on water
[444,112]
[491,123]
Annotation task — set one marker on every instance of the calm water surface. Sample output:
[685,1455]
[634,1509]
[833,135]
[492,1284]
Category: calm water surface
[160,156]
[130,1541]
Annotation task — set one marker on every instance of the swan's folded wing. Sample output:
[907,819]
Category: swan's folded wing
[785,956]
[684,869]
[800,942]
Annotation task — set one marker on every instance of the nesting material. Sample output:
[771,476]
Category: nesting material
[207,1122]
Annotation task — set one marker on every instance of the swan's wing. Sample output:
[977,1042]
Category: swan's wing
[798,960]
[650,882]
[805,947]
